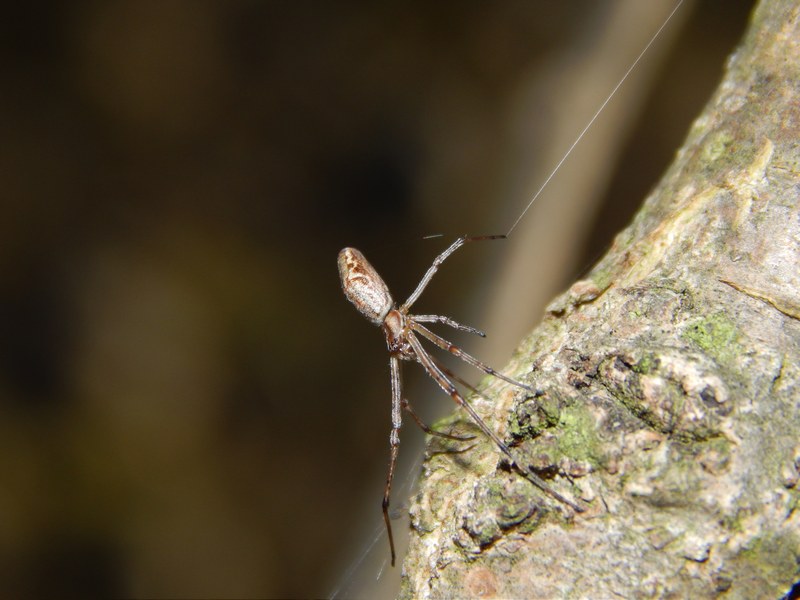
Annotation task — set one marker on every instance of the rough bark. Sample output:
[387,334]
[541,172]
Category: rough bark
[672,386]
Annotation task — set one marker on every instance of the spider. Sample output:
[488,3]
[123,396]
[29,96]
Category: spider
[370,295]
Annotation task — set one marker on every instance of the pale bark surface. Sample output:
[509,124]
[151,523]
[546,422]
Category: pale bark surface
[672,386]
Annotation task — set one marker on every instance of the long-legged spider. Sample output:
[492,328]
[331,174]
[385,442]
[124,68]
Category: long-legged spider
[370,295]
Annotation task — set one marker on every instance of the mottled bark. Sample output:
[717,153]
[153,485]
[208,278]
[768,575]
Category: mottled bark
[671,381]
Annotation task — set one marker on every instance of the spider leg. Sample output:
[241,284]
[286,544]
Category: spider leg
[431,430]
[441,379]
[452,376]
[446,321]
[456,351]
[455,377]
[426,279]
[394,443]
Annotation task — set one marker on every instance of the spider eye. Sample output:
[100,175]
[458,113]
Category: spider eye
[363,286]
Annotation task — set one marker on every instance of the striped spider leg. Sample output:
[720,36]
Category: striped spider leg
[370,295]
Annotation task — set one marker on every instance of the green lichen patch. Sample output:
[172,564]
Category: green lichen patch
[717,335]
[577,437]
[647,364]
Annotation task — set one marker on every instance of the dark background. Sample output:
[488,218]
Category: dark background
[188,405]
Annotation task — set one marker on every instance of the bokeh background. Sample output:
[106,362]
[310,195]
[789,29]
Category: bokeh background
[188,405]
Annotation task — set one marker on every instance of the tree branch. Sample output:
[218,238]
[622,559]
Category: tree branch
[672,385]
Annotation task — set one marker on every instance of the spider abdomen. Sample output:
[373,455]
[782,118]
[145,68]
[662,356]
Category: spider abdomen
[363,286]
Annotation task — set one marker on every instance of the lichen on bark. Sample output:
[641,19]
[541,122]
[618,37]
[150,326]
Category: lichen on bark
[671,404]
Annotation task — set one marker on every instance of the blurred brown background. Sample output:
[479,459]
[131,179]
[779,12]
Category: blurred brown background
[188,405]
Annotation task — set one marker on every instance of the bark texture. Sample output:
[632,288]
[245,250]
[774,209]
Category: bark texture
[672,386]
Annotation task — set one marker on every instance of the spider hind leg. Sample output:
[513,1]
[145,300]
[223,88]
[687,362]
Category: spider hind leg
[430,430]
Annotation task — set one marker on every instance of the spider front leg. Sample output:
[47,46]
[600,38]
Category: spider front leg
[426,279]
